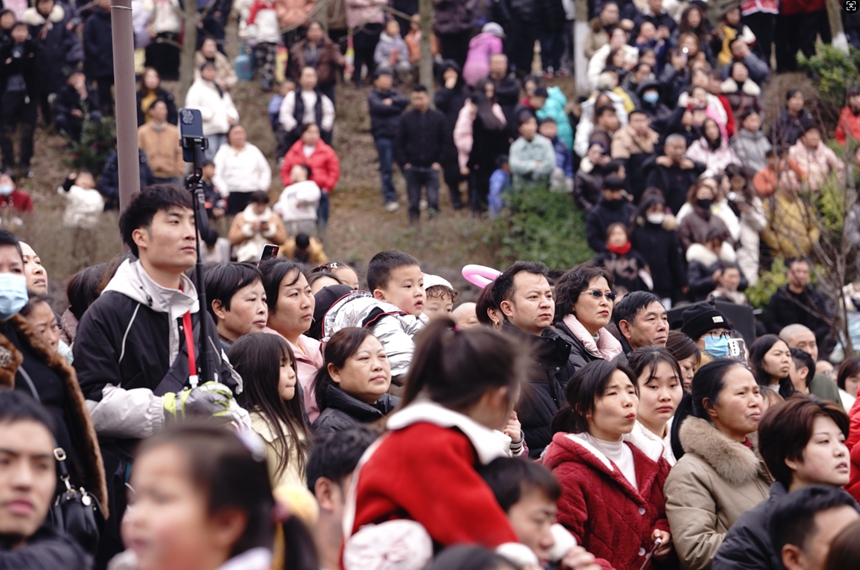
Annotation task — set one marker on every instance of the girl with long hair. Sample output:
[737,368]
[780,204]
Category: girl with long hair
[770,362]
[658,376]
[688,355]
[273,399]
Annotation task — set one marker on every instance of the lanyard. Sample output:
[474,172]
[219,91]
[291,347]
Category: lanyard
[189,345]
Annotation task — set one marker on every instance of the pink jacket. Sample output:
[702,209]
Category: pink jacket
[463,131]
[713,160]
[361,12]
[477,65]
[818,163]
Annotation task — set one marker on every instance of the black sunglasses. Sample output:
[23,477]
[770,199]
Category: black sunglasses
[597,294]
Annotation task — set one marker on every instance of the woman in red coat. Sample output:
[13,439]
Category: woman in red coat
[314,153]
[461,389]
[612,492]
[849,119]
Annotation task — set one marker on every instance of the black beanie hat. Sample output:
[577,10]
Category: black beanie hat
[701,318]
[325,299]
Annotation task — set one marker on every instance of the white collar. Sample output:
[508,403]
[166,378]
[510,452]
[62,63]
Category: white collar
[254,559]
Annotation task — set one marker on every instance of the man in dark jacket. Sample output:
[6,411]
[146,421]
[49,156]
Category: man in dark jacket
[524,297]
[799,303]
[507,86]
[786,444]
[418,151]
[454,27]
[673,173]
[108,184]
[18,95]
[30,477]
[641,320]
[75,103]
[136,343]
[519,19]
[792,122]
[386,105]
[449,99]
[612,208]
[98,49]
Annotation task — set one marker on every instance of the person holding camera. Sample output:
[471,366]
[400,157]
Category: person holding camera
[137,345]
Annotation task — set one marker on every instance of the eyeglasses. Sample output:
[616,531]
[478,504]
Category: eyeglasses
[598,294]
[716,335]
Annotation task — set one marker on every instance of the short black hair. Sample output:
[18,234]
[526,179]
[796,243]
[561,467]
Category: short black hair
[18,406]
[258,197]
[223,281]
[418,88]
[503,287]
[335,455]
[382,264]
[628,308]
[637,112]
[602,110]
[303,240]
[154,103]
[145,205]
[509,478]
[792,520]
[802,358]
[83,289]
[501,160]
[8,238]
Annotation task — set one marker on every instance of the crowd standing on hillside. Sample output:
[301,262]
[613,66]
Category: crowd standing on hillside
[627,413]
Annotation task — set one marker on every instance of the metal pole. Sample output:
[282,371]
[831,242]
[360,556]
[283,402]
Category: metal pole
[126,100]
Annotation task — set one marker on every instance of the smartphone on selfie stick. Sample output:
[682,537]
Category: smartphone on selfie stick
[193,144]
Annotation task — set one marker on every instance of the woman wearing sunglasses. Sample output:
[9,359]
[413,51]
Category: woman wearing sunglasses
[584,300]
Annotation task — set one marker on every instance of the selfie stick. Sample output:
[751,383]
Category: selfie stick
[193,183]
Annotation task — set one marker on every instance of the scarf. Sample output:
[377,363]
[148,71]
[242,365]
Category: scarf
[605,346]
[620,249]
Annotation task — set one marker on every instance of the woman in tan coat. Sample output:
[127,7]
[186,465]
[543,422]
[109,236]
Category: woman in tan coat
[719,474]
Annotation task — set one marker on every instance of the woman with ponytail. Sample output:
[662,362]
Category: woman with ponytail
[612,489]
[460,389]
[770,362]
[719,474]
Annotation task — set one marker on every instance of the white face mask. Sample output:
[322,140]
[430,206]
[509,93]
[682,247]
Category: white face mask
[6,189]
[656,218]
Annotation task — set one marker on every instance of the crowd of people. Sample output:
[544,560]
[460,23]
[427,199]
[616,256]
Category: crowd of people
[627,413]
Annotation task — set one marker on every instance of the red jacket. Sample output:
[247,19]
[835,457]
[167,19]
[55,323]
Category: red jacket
[324,165]
[853,444]
[17,200]
[730,116]
[608,517]
[426,473]
[848,126]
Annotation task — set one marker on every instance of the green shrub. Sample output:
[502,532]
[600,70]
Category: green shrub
[90,153]
[833,72]
[759,294]
[541,225]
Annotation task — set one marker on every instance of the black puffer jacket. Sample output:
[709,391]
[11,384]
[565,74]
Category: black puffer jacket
[385,119]
[604,215]
[662,250]
[544,395]
[747,545]
[454,16]
[420,138]
[45,549]
[578,357]
[344,411]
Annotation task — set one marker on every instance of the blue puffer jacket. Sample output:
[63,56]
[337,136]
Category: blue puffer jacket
[554,107]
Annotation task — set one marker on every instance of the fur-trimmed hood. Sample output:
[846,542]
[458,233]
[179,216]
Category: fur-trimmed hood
[733,461]
[32,17]
[748,88]
[81,427]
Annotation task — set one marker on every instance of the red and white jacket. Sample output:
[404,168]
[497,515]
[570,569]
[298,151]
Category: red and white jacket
[765,6]
[424,469]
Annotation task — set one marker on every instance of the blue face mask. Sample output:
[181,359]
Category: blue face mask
[13,294]
[717,347]
[651,97]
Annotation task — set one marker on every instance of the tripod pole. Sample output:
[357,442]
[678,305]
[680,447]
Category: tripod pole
[208,364]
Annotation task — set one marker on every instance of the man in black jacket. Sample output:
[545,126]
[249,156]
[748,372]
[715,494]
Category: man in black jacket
[18,95]
[138,343]
[420,142]
[75,103]
[28,480]
[799,303]
[386,105]
[612,208]
[507,86]
[524,297]
[673,173]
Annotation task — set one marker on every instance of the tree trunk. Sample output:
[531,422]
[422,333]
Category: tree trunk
[425,65]
[189,47]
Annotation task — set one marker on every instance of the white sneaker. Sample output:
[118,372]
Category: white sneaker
[392,207]
[422,204]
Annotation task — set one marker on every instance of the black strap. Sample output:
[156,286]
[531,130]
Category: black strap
[30,383]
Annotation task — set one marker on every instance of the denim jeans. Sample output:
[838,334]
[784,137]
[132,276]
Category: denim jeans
[322,212]
[215,142]
[385,148]
[416,177]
